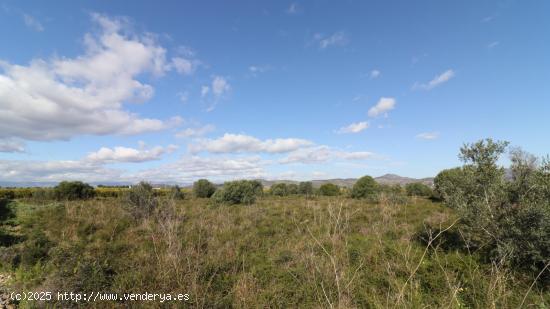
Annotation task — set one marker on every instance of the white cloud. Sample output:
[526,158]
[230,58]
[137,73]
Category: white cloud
[184,66]
[436,81]
[383,106]
[428,135]
[64,97]
[195,132]
[354,127]
[374,74]
[125,154]
[336,39]
[32,23]
[188,169]
[319,154]
[237,143]
[220,86]
[11,145]
[54,171]
[184,170]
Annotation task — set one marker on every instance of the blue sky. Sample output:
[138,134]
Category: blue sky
[112,91]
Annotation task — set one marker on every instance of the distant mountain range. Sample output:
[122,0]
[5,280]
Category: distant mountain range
[389,179]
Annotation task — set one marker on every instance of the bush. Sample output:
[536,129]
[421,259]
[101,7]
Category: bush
[292,189]
[418,189]
[237,192]
[452,184]
[203,188]
[364,187]
[141,200]
[508,222]
[329,189]
[305,188]
[279,189]
[73,190]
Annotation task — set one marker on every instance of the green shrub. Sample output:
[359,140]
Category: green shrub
[35,249]
[237,192]
[329,189]
[279,189]
[305,188]
[508,222]
[292,189]
[364,187]
[203,188]
[451,184]
[73,190]
[418,189]
[141,200]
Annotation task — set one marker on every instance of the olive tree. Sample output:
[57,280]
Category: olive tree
[364,187]
[203,188]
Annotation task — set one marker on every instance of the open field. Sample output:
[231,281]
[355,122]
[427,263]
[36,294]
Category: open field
[278,252]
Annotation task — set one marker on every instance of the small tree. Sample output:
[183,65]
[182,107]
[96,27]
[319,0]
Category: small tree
[203,188]
[279,189]
[73,190]
[364,187]
[418,189]
[329,189]
[237,192]
[305,188]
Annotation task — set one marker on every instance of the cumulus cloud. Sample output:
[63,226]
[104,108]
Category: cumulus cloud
[191,168]
[125,154]
[428,135]
[383,106]
[32,23]
[55,171]
[11,145]
[319,154]
[436,81]
[59,98]
[184,170]
[336,39]
[238,143]
[196,132]
[354,127]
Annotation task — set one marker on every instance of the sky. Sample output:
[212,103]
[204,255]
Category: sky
[174,91]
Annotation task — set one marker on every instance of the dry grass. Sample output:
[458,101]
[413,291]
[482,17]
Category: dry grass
[280,252]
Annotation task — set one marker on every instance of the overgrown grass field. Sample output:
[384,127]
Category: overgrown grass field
[283,252]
